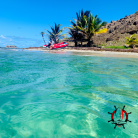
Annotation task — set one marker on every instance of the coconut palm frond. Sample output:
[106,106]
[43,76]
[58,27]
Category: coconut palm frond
[91,27]
[55,32]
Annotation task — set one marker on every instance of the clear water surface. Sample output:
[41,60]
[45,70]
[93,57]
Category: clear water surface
[49,95]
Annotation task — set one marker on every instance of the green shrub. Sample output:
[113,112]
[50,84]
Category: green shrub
[117,47]
[132,41]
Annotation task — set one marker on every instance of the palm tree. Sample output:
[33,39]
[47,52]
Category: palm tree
[80,16]
[75,35]
[74,31]
[42,33]
[55,34]
[91,25]
[132,41]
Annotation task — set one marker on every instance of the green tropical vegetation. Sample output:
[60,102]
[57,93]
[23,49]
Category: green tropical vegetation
[74,31]
[87,25]
[90,26]
[56,33]
[76,35]
[132,41]
[117,47]
[82,29]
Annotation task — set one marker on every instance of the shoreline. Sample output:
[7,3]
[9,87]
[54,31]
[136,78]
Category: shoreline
[88,52]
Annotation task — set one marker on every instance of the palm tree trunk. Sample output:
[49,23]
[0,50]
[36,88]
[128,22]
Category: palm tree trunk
[55,40]
[76,44]
[81,42]
[44,40]
[89,42]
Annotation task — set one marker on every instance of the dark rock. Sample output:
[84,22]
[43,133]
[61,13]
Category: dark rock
[109,39]
[110,31]
[117,38]
[126,17]
[132,32]
[135,23]
[116,27]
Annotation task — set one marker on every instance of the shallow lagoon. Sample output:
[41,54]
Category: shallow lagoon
[50,95]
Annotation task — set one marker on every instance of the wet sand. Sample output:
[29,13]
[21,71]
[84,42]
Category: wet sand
[104,53]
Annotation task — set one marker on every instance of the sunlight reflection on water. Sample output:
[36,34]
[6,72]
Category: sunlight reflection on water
[64,95]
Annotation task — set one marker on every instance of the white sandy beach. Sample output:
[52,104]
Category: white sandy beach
[104,53]
[91,53]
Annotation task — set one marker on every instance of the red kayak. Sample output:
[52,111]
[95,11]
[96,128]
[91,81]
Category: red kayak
[59,45]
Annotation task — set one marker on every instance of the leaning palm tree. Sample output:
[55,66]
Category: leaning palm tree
[91,25]
[42,33]
[56,33]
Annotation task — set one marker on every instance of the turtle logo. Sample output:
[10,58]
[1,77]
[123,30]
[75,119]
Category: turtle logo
[119,117]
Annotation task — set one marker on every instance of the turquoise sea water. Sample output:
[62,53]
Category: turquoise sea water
[49,95]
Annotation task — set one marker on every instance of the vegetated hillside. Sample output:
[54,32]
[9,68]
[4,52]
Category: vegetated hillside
[117,31]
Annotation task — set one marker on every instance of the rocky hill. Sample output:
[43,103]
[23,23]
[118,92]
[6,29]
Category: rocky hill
[118,30]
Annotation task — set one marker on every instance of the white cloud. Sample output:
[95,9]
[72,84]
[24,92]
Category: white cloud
[2,36]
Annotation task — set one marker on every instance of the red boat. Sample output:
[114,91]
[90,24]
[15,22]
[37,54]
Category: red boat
[59,45]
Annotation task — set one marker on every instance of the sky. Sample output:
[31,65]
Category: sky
[22,21]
